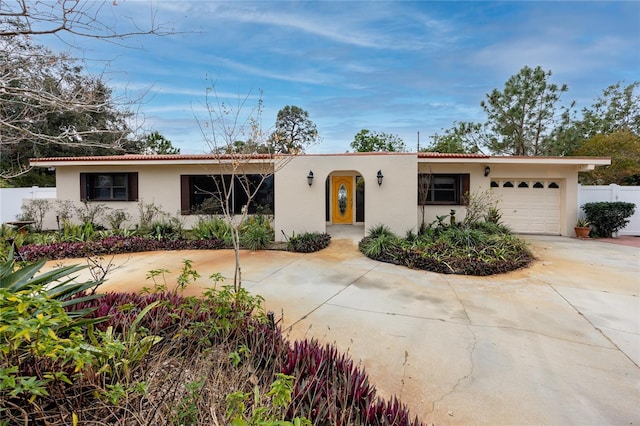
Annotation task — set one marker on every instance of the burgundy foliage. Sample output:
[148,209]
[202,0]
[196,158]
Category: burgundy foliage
[112,245]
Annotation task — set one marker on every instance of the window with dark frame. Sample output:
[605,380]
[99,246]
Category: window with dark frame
[203,194]
[109,186]
[442,188]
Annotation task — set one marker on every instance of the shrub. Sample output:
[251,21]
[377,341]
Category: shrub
[308,242]
[71,232]
[90,213]
[380,244]
[35,210]
[116,218]
[608,217]
[41,344]
[483,248]
[148,213]
[41,333]
[166,228]
[379,230]
[64,211]
[256,233]
[208,228]
[481,205]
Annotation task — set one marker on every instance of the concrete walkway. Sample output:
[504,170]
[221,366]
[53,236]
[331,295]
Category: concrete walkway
[557,343]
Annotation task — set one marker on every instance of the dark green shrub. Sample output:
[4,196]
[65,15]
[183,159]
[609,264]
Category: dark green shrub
[71,232]
[608,217]
[256,233]
[208,228]
[492,227]
[166,228]
[308,242]
[482,248]
[379,230]
[380,247]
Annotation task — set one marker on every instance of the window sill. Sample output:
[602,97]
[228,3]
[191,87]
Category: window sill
[442,203]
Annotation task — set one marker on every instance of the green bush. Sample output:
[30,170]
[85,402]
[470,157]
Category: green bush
[379,243]
[208,228]
[608,217]
[41,333]
[71,232]
[482,248]
[256,233]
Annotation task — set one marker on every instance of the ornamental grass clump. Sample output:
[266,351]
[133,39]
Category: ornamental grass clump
[256,233]
[381,244]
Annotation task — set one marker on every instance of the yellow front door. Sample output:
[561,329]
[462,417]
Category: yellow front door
[342,199]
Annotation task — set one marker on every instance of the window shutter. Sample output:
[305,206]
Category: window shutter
[185,194]
[83,187]
[466,185]
[133,186]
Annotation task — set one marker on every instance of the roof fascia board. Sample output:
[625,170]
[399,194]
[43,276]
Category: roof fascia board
[565,161]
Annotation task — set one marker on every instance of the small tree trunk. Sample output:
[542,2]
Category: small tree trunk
[237,275]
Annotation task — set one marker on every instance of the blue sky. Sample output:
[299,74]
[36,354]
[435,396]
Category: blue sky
[395,67]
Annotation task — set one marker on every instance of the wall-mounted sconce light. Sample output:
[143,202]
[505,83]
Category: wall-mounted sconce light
[487,170]
[379,176]
[310,178]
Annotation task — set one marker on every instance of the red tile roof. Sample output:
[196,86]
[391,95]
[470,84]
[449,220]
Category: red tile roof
[449,155]
[140,157]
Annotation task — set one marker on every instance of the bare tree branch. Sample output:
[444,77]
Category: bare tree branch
[45,97]
[222,127]
[80,18]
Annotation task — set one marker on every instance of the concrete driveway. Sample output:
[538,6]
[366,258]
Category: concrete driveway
[557,343]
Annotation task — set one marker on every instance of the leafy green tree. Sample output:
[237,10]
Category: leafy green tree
[524,113]
[616,110]
[624,149]
[367,141]
[464,138]
[293,131]
[155,143]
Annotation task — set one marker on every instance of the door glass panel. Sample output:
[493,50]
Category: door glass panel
[342,199]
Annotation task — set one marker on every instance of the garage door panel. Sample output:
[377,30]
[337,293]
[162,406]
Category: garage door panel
[532,209]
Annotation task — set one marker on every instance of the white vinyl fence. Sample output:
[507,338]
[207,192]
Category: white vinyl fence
[11,200]
[613,192]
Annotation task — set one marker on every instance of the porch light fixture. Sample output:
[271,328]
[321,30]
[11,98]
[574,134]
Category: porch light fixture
[379,176]
[310,178]
[487,170]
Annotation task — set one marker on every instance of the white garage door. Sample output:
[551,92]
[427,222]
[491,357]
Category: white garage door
[529,205]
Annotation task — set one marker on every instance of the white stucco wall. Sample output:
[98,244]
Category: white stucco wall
[301,208]
[157,184]
[477,182]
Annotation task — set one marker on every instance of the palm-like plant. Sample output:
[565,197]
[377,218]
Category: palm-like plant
[59,284]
